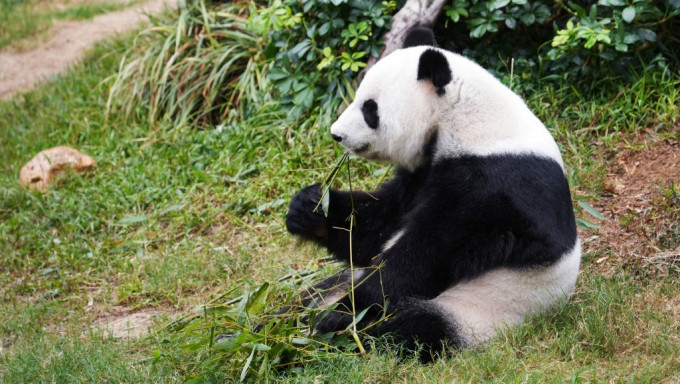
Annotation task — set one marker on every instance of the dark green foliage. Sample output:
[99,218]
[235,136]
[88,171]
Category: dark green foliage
[319,46]
[565,38]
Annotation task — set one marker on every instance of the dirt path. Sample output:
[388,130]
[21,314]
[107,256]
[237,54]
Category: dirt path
[21,71]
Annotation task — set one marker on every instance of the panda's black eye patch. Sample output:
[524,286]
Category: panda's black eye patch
[370,111]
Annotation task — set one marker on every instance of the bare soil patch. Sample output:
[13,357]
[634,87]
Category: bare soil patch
[122,323]
[641,225]
[20,71]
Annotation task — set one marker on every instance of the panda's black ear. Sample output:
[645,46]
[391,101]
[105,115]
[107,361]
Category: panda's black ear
[433,66]
[419,36]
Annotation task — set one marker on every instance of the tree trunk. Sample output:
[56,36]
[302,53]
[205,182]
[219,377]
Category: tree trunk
[413,13]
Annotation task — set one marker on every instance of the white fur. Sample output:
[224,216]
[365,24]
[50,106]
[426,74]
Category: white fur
[393,240]
[477,114]
[504,297]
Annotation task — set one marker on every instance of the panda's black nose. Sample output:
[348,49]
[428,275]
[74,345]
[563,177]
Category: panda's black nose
[336,138]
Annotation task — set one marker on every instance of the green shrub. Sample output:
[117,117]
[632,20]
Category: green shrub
[319,46]
[561,39]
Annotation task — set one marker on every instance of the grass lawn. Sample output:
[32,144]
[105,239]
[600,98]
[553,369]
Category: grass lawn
[173,217]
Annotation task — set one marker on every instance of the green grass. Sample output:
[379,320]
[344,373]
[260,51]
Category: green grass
[47,342]
[173,216]
[24,23]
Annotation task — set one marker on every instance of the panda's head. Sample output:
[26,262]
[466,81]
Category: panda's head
[395,111]
[421,102]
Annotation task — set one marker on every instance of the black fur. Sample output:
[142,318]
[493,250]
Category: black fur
[418,325]
[433,66]
[305,215]
[462,217]
[419,36]
[370,111]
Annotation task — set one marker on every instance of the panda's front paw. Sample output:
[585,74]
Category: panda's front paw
[302,219]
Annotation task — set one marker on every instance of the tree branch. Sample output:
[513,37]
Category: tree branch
[413,13]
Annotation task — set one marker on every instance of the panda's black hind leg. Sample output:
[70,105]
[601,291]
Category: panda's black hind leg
[421,328]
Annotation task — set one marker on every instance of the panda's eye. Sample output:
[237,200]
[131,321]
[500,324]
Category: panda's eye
[370,111]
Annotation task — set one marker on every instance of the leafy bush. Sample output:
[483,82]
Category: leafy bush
[613,29]
[319,46]
[565,38]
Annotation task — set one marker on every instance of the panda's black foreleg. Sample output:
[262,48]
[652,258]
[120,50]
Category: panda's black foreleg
[375,220]
[416,325]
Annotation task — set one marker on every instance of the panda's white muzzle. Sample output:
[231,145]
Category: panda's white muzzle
[351,131]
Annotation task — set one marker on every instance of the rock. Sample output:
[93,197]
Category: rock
[39,173]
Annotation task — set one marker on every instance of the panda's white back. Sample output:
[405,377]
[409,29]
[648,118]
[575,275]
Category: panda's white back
[490,119]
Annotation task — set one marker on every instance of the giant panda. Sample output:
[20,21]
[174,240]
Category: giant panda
[475,232]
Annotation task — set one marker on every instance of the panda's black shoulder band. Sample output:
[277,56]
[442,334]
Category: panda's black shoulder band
[433,66]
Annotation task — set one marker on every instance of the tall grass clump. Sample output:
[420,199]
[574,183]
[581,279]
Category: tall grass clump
[195,64]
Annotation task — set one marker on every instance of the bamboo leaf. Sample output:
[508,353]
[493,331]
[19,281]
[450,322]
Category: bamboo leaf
[358,318]
[586,224]
[300,341]
[258,346]
[244,372]
[325,200]
[259,299]
[231,344]
[591,210]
